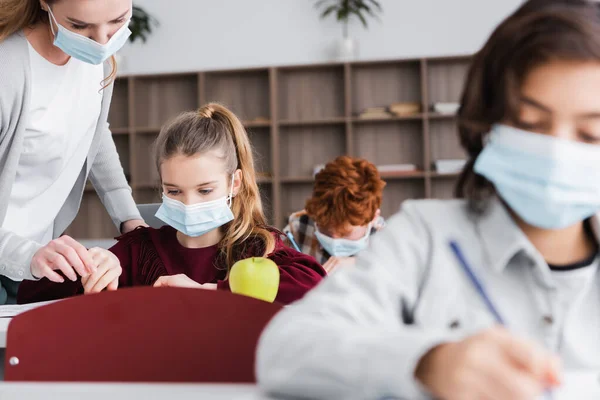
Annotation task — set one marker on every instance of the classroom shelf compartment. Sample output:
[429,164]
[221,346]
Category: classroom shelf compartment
[443,186]
[446,77]
[266,196]
[144,171]
[307,94]
[293,198]
[390,143]
[92,221]
[260,140]
[303,148]
[397,191]
[147,195]
[381,84]
[158,99]
[118,115]
[246,93]
[444,141]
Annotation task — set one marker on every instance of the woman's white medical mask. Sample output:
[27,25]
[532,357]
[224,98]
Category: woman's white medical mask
[86,49]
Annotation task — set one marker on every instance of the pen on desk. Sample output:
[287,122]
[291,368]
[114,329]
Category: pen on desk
[291,238]
[462,261]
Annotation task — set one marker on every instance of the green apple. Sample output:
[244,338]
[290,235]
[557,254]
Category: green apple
[256,277]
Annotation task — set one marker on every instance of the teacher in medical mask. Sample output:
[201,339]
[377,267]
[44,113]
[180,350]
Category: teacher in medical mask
[56,74]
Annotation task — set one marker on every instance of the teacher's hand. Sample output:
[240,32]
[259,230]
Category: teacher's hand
[130,225]
[63,254]
[107,273]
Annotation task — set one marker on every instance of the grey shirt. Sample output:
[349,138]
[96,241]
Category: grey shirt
[361,332]
[102,165]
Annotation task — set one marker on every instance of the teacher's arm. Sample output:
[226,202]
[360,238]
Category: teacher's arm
[110,183]
[16,254]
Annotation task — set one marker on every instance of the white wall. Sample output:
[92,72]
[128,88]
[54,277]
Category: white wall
[219,34]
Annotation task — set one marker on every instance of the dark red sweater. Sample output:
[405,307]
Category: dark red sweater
[147,254]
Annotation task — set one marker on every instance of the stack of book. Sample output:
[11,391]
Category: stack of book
[375,113]
[396,169]
[405,109]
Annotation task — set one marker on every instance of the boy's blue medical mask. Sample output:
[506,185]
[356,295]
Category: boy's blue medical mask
[343,247]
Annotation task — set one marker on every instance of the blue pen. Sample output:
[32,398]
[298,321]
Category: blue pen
[480,289]
[476,282]
[291,238]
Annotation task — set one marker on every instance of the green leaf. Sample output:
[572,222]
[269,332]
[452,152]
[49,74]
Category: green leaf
[361,17]
[328,11]
[345,9]
[342,14]
[141,24]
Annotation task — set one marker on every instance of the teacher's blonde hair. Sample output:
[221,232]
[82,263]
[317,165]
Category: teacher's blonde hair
[16,15]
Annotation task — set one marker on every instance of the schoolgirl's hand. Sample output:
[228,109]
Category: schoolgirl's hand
[183,281]
[491,365]
[63,254]
[180,280]
[106,276]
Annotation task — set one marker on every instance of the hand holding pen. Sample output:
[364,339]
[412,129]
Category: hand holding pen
[493,364]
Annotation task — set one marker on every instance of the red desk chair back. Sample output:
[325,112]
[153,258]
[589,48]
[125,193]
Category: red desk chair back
[139,335]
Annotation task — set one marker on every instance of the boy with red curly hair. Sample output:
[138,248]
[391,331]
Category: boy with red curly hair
[343,212]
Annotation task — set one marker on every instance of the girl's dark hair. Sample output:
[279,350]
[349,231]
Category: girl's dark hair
[540,31]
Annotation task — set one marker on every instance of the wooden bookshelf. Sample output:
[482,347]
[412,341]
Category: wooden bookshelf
[297,117]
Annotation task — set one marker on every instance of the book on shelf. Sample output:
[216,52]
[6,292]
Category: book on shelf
[375,113]
[404,109]
[396,169]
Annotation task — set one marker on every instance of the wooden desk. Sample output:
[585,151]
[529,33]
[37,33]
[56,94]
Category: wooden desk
[79,391]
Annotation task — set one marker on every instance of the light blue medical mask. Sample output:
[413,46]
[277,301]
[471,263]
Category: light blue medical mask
[196,219]
[86,49]
[343,247]
[551,183]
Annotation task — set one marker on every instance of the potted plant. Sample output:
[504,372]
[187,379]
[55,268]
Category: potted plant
[343,11]
[141,24]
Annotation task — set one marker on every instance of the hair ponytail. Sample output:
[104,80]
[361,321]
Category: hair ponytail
[215,127]
[247,206]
